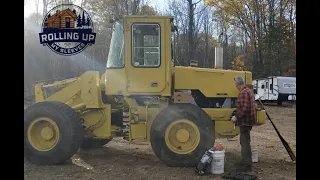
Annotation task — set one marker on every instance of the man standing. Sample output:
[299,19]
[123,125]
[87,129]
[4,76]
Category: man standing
[245,117]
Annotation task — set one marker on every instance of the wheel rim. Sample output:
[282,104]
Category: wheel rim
[182,136]
[43,134]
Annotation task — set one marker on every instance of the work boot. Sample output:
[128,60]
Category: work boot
[244,168]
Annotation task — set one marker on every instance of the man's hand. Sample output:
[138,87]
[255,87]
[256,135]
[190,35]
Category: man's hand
[234,118]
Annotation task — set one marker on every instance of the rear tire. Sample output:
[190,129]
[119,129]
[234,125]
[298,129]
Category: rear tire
[192,115]
[52,133]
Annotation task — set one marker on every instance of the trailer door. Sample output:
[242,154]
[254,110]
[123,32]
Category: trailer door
[266,89]
[260,89]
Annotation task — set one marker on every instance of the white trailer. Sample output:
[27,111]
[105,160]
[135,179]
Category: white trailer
[275,89]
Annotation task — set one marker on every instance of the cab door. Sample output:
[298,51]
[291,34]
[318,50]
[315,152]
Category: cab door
[145,48]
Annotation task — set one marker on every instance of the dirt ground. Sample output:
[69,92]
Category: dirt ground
[121,160]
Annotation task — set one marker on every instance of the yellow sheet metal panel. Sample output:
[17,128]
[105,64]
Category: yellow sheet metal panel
[138,132]
[91,90]
[219,114]
[248,79]
[225,129]
[115,82]
[211,82]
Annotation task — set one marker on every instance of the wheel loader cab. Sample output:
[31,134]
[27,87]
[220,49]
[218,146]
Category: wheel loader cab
[140,57]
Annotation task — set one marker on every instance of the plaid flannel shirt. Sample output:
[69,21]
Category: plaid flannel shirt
[246,110]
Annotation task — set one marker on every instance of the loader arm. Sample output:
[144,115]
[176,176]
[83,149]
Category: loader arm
[80,92]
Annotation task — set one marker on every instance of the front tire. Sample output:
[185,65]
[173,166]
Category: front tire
[52,133]
[180,134]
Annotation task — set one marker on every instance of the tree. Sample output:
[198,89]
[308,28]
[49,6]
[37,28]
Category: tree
[88,22]
[291,71]
[83,19]
[189,17]
[135,7]
[79,22]
[238,64]
[267,28]
[147,10]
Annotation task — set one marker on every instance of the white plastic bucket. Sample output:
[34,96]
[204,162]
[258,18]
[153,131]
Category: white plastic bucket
[254,152]
[217,163]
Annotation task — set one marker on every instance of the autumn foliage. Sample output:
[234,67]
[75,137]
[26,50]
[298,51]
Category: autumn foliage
[267,27]
[238,64]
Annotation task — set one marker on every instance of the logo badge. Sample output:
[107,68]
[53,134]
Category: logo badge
[67,29]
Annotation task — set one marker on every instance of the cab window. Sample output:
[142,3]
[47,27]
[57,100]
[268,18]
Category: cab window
[145,45]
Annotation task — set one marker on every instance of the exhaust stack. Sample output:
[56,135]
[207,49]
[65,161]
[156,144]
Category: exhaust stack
[218,57]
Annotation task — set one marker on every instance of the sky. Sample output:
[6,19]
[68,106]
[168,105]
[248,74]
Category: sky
[30,7]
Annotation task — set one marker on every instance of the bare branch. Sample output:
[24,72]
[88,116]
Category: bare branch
[201,10]
[197,2]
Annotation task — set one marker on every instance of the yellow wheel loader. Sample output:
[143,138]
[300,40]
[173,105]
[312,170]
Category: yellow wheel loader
[179,110]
